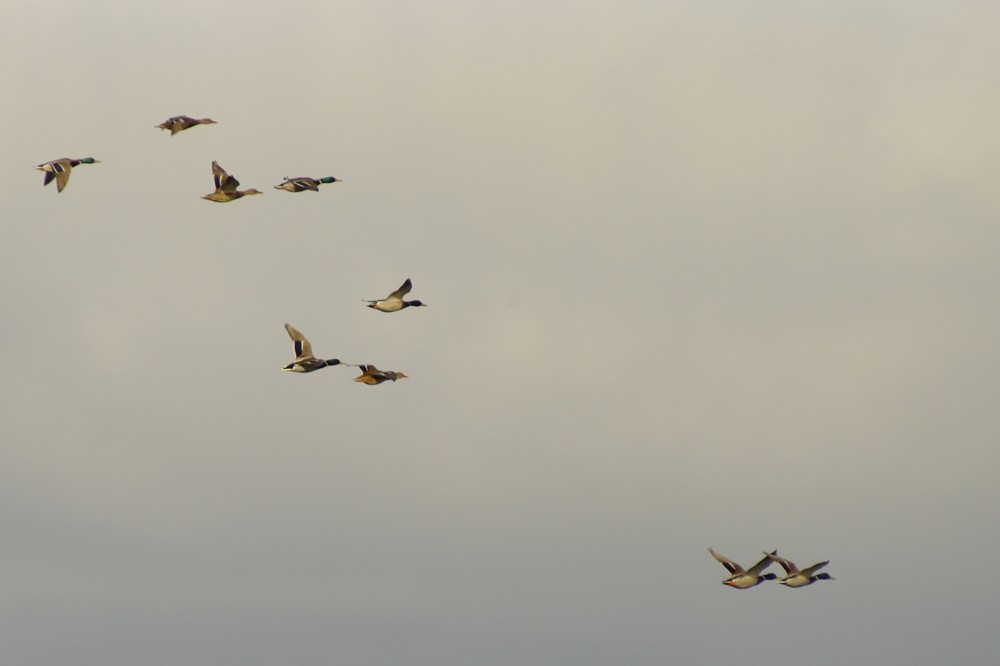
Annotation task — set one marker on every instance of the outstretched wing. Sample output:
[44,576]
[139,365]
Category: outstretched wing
[763,564]
[303,349]
[61,171]
[787,565]
[731,566]
[403,290]
[223,181]
[809,571]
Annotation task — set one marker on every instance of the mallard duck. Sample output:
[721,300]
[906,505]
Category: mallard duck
[796,578]
[373,376]
[225,186]
[181,123]
[742,579]
[301,184]
[59,170]
[304,359]
[394,301]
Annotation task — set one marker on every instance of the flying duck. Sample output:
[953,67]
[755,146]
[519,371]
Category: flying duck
[394,301]
[181,123]
[301,184]
[59,170]
[225,186]
[373,376]
[796,578]
[304,359]
[742,579]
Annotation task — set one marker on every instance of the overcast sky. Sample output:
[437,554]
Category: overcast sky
[699,274]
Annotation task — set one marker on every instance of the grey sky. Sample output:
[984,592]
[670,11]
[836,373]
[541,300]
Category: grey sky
[698,274]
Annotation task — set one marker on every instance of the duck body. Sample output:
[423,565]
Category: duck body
[301,184]
[225,186]
[309,365]
[225,197]
[304,359]
[373,376]
[394,302]
[742,578]
[180,123]
[60,169]
[794,577]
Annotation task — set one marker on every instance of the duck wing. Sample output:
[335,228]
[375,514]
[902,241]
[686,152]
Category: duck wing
[306,184]
[731,566]
[303,350]
[763,564]
[787,565]
[809,571]
[403,290]
[61,174]
[223,181]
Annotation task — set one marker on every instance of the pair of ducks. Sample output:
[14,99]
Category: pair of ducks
[60,169]
[306,362]
[794,577]
[226,184]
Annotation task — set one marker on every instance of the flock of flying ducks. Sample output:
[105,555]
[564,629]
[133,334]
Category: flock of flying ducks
[225,183]
[306,362]
[741,578]
[226,190]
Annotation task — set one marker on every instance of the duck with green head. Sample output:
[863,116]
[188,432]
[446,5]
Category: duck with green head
[742,578]
[302,184]
[225,186]
[795,577]
[304,359]
[394,302]
[59,170]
